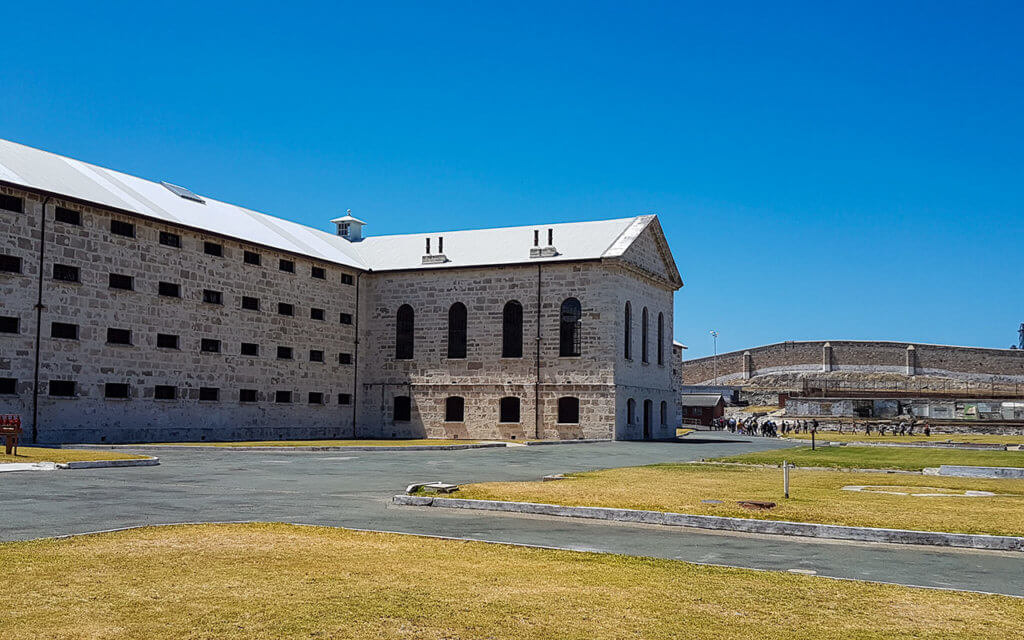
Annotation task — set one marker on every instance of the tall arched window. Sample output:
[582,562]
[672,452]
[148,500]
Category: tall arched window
[664,413]
[508,409]
[512,330]
[570,328]
[457,330]
[455,409]
[568,410]
[403,332]
[631,411]
[643,336]
[661,338]
[627,332]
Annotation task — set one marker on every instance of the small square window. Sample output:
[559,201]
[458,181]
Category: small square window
[170,239]
[121,228]
[286,265]
[8,386]
[315,355]
[402,409]
[252,304]
[121,281]
[251,257]
[213,249]
[119,336]
[345,318]
[319,273]
[347,278]
[170,289]
[315,397]
[166,341]
[164,392]
[285,309]
[344,358]
[284,353]
[282,396]
[116,390]
[62,388]
[209,345]
[64,330]
[209,394]
[9,324]
[12,203]
[344,398]
[67,216]
[316,314]
[247,395]
[212,297]
[65,273]
[10,264]
[250,349]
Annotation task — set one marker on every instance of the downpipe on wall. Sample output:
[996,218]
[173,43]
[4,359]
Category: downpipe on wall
[39,321]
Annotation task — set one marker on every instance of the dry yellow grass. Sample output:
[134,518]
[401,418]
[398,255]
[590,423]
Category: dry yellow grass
[41,454]
[281,581]
[815,496]
[322,443]
[985,438]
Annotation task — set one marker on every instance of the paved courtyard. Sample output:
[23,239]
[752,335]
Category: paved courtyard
[354,490]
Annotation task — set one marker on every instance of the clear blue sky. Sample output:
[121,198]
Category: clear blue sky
[821,172]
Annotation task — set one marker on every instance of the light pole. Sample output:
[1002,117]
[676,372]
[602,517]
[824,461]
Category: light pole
[714,336]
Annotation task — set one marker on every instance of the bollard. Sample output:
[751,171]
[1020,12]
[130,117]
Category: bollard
[813,431]
[785,479]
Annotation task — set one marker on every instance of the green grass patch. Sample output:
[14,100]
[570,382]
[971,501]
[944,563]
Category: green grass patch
[279,581]
[42,454]
[323,443]
[815,496]
[848,457]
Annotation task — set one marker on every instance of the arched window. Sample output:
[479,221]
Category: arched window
[402,409]
[568,410]
[631,411]
[404,332]
[570,328]
[508,410]
[457,330]
[643,336]
[661,338]
[455,409]
[627,333]
[664,413]
[512,330]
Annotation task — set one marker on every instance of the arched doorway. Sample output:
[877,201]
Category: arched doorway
[648,411]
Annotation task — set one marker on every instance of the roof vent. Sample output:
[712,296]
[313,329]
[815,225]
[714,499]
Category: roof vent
[537,251]
[349,228]
[183,192]
[435,258]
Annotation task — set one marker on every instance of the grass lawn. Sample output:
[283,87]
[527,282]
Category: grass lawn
[880,457]
[41,454]
[322,443]
[815,496]
[846,436]
[282,581]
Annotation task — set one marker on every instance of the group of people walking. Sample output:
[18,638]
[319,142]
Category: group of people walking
[754,426]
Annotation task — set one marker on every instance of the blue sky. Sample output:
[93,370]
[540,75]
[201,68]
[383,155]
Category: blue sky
[849,171]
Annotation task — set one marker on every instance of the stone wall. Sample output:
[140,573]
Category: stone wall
[94,307]
[966,363]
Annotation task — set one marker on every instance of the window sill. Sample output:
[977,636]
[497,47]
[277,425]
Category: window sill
[579,357]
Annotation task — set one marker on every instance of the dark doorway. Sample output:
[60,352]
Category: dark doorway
[648,410]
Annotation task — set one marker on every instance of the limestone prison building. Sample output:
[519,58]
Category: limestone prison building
[133,310]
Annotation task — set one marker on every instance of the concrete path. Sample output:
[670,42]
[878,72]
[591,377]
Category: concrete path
[354,490]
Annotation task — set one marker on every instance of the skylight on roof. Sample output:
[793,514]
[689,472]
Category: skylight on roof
[183,192]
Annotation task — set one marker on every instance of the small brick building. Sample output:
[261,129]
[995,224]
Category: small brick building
[133,310]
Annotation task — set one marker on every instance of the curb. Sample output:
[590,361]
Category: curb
[285,449]
[770,527]
[537,443]
[107,464]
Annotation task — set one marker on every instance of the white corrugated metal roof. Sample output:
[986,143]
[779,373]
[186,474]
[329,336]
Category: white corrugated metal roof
[701,399]
[35,169]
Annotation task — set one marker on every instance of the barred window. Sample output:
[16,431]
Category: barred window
[64,330]
[62,388]
[209,345]
[283,396]
[457,330]
[12,203]
[121,281]
[627,332]
[251,257]
[318,272]
[67,216]
[286,265]
[209,394]
[119,336]
[346,278]
[512,330]
[250,303]
[247,395]
[213,249]
[164,392]
[508,410]
[316,314]
[315,397]
[170,239]
[661,338]
[166,341]
[344,398]
[116,390]
[169,289]
[121,228]
[11,264]
[250,349]
[213,297]
[404,328]
[65,273]
[568,410]
[285,309]
[643,335]
[570,328]
[454,409]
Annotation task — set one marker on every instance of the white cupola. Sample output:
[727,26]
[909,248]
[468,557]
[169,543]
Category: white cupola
[349,228]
